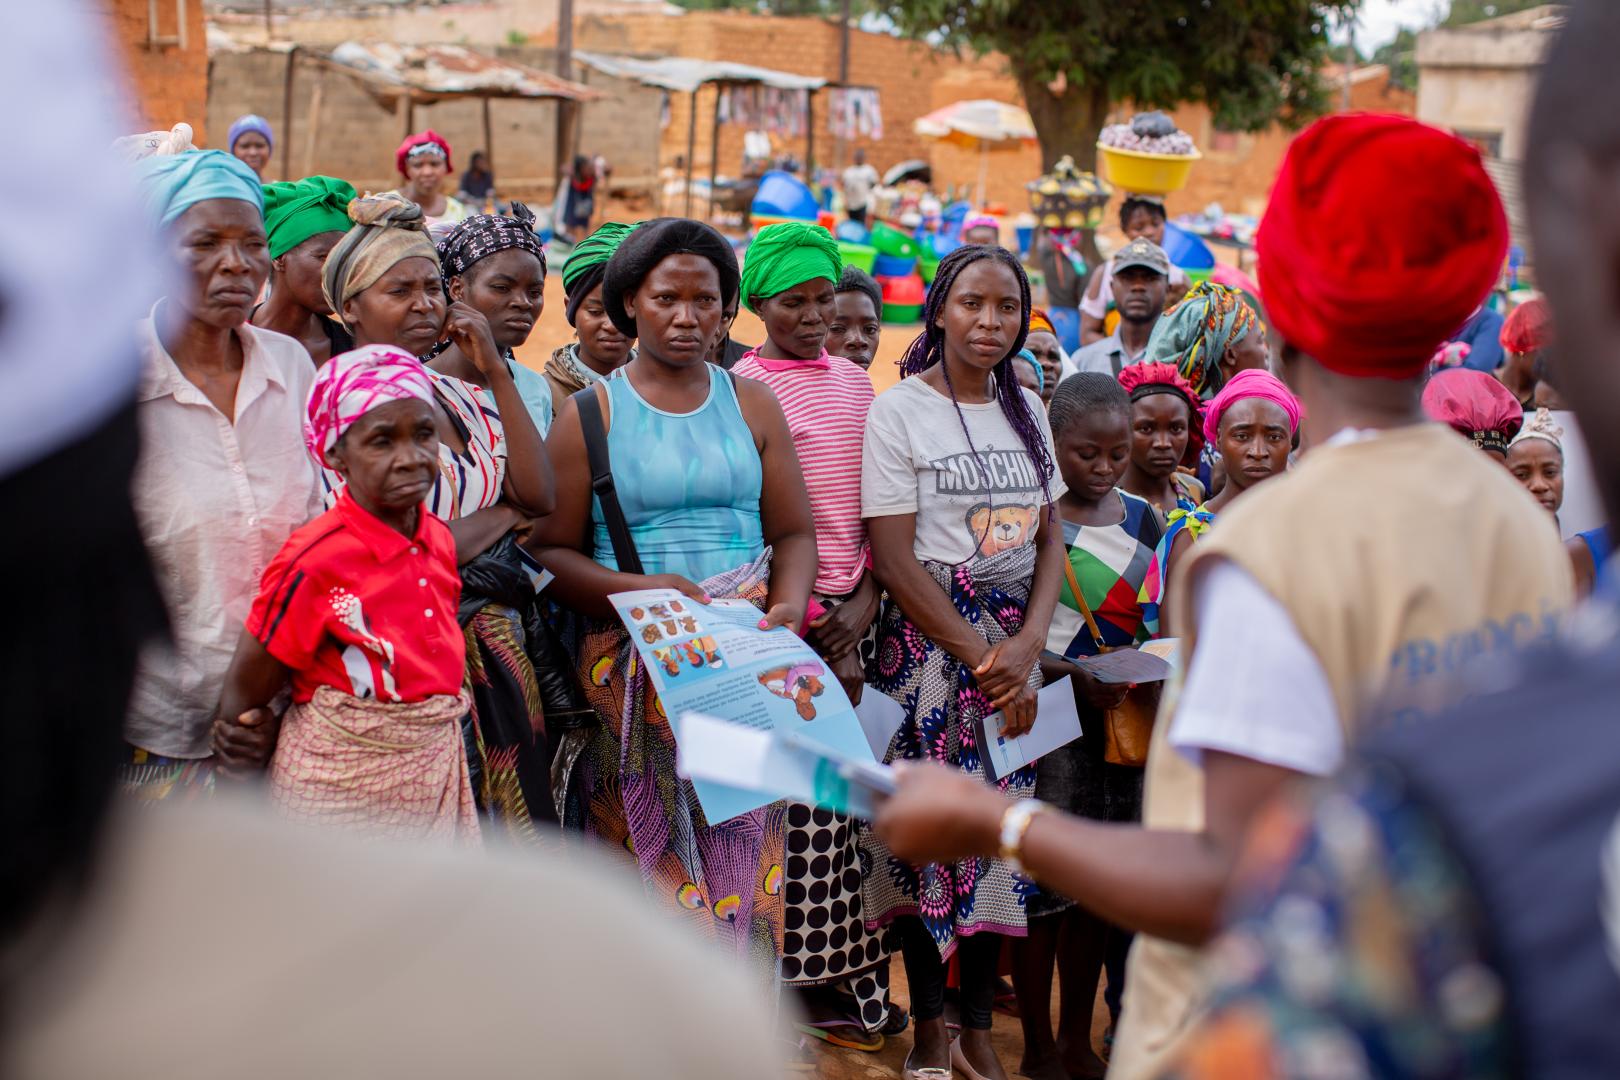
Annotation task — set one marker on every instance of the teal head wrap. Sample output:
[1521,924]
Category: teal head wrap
[786,254]
[171,184]
[296,210]
[1195,334]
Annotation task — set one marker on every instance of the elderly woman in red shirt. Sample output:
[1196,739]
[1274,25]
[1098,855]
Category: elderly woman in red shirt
[358,611]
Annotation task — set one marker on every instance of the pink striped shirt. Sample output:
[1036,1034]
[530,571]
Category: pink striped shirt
[826,402]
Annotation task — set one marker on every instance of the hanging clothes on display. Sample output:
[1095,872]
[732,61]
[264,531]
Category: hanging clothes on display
[855,112]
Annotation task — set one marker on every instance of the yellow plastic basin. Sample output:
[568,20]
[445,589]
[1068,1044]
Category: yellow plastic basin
[1148,174]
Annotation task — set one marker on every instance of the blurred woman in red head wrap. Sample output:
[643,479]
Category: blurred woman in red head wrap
[1525,336]
[424,161]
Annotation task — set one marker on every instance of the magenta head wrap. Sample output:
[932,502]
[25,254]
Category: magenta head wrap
[352,384]
[1250,383]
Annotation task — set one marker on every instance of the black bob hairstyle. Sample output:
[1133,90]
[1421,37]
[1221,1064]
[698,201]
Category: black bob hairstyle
[650,244]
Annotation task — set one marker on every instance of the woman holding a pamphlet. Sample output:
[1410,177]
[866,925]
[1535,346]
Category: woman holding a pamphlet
[957,487]
[706,498]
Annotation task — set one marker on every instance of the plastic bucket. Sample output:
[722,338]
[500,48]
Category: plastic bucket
[902,313]
[783,195]
[893,266]
[1148,174]
[891,241]
[858,255]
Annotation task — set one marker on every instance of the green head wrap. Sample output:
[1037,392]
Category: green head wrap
[1195,334]
[296,210]
[582,271]
[786,254]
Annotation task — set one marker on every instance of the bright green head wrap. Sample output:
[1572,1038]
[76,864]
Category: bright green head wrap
[786,254]
[296,210]
[585,265]
[595,250]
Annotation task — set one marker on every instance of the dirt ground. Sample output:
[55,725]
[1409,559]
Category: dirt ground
[836,1063]
[552,331]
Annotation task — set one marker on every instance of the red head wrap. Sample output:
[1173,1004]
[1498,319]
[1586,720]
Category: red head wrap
[1039,320]
[1382,237]
[1528,327]
[421,138]
[1476,405]
[1141,380]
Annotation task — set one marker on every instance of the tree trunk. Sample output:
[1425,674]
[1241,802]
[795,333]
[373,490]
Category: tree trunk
[1067,124]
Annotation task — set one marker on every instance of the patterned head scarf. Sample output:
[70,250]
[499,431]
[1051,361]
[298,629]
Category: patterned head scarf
[1146,378]
[1475,405]
[586,264]
[387,230]
[1541,426]
[1252,383]
[481,236]
[427,142]
[1195,334]
[296,210]
[171,184]
[786,254]
[245,124]
[351,384]
[1040,321]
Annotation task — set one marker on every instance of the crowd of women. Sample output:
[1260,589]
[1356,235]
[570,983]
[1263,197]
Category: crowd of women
[387,549]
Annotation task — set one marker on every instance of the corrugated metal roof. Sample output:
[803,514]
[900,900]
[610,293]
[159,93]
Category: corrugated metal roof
[685,74]
[429,72]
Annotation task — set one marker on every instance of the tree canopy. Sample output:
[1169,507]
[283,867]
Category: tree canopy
[1252,61]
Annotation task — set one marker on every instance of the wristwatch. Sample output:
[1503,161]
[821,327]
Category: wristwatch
[1014,824]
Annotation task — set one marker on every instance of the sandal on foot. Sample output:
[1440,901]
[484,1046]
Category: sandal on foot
[835,1032]
[908,1073]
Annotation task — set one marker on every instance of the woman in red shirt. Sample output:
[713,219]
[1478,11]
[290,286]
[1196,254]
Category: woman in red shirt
[358,611]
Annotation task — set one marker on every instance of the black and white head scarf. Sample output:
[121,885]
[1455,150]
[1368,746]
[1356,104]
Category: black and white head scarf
[481,236]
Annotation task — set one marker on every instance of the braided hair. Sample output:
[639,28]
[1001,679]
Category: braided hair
[929,349]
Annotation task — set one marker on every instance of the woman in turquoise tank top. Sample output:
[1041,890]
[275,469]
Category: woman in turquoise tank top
[710,486]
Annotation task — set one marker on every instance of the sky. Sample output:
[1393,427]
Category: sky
[1381,19]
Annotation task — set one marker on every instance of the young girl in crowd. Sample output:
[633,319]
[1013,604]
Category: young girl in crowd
[358,611]
[857,323]
[1166,434]
[1252,423]
[1110,536]
[710,489]
[957,487]
[599,348]
[423,160]
[788,280]
[304,220]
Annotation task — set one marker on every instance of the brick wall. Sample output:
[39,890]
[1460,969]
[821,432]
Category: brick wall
[170,82]
[356,136]
[911,78]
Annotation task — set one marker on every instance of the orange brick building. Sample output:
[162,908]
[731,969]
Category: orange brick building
[164,47]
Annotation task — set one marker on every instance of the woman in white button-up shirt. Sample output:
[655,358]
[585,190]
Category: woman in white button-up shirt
[223,477]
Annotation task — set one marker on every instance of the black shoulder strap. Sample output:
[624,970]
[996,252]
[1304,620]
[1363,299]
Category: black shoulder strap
[596,453]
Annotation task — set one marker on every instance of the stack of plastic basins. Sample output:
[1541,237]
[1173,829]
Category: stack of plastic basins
[895,269]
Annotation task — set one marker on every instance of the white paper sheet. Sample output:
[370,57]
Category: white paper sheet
[880,716]
[1057,723]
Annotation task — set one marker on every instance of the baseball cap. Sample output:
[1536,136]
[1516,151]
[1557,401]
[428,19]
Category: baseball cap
[1142,252]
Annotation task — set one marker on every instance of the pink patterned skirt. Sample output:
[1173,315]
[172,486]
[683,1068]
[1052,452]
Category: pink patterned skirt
[388,769]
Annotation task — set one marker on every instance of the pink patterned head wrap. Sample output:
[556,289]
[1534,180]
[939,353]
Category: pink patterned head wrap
[1250,383]
[352,384]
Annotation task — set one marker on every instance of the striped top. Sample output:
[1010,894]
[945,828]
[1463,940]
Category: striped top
[469,481]
[826,402]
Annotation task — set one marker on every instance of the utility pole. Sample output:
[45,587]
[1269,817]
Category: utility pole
[268,4]
[843,78]
[1349,58]
[567,111]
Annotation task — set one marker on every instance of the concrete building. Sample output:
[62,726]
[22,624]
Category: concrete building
[1478,80]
